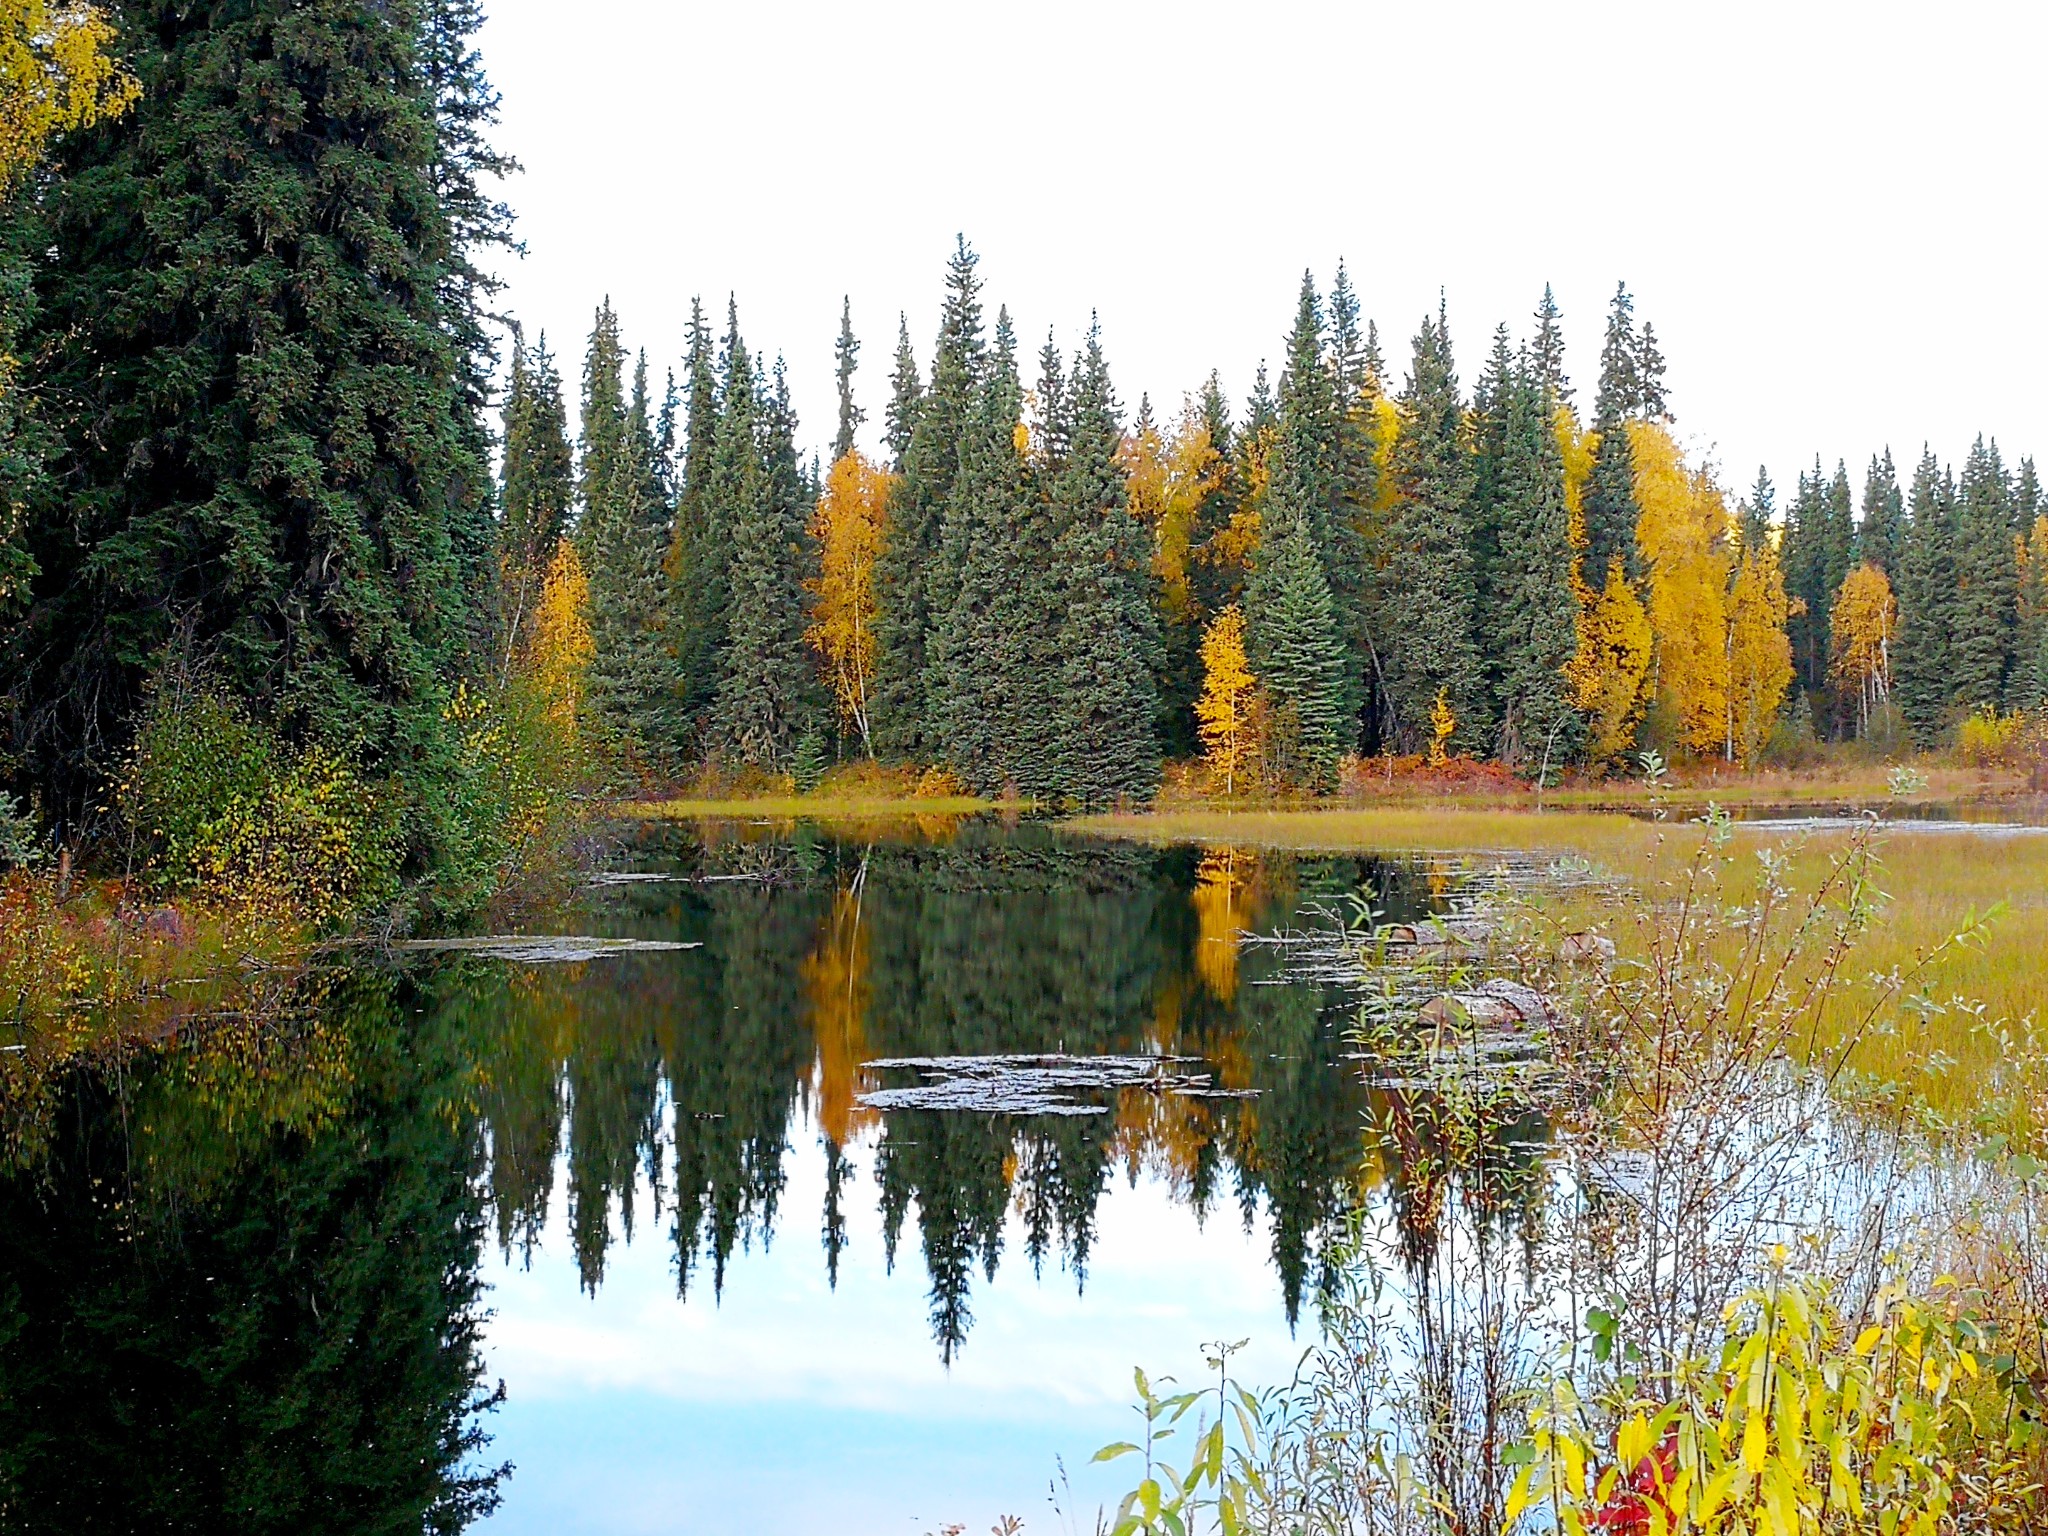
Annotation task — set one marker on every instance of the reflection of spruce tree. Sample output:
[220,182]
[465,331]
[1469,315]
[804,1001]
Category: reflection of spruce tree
[277,1332]
[516,1025]
[953,1165]
[736,1063]
[1300,1147]
[614,1073]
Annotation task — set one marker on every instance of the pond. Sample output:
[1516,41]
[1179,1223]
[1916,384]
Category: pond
[730,1272]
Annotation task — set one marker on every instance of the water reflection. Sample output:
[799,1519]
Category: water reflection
[240,1274]
[684,1077]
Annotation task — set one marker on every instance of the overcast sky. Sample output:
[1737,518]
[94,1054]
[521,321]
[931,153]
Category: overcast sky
[1830,212]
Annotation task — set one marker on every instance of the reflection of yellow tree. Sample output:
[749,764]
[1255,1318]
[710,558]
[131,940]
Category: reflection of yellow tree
[1222,898]
[836,979]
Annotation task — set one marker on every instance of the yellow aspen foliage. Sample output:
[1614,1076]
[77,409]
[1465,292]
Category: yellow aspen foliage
[1169,481]
[835,976]
[848,527]
[1224,712]
[1683,533]
[1443,724]
[559,660]
[57,73]
[1759,653]
[1386,432]
[1865,618]
[1222,902]
[1609,673]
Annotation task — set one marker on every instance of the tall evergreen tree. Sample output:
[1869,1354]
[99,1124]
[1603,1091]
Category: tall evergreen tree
[1104,748]
[1546,349]
[539,479]
[1985,612]
[1292,637]
[766,694]
[1531,617]
[1305,477]
[1882,530]
[253,331]
[1610,497]
[847,356]
[914,578]
[906,392]
[624,534]
[1758,511]
[1926,589]
[1487,429]
[1430,577]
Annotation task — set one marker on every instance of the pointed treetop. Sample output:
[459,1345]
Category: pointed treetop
[1546,349]
[848,354]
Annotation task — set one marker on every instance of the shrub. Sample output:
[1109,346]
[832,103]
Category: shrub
[20,847]
[226,809]
[515,760]
[1988,739]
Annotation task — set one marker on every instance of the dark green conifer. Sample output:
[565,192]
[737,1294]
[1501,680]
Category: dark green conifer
[906,390]
[254,332]
[1546,349]
[539,480]
[766,700]
[915,577]
[1883,526]
[1926,590]
[1610,505]
[1531,617]
[847,356]
[1104,749]
[624,534]
[1758,510]
[1432,629]
[1985,611]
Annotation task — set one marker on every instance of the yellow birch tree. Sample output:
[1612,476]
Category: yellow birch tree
[1609,673]
[1865,618]
[1684,533]
[559,660]
[1759,653]
[1224,711]
[848,527]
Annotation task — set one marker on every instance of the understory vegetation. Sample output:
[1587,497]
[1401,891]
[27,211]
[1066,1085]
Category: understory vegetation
[1746,1282]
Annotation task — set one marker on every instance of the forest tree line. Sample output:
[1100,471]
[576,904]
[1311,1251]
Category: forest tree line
[1048,598]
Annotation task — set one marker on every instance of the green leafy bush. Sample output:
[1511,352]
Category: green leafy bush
[227,810]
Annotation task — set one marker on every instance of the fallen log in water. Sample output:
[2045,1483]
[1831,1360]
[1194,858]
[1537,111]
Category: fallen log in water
[542,948]
[1035,1085]
[1496,1004]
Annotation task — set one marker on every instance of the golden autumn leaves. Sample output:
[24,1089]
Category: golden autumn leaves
[57,73]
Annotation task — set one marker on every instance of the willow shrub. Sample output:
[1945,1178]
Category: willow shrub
[226,810]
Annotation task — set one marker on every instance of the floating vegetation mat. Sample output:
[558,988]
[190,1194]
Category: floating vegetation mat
[542,948]
[1036,1085]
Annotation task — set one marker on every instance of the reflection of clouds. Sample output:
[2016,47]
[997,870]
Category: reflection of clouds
[1158,1286]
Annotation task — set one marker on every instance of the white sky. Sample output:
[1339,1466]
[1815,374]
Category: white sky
[1830,212]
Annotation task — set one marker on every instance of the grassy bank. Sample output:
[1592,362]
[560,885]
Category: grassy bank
[1960,1042]
[823,806]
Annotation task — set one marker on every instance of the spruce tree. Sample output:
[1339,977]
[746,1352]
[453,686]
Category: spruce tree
[624,536]
[1926,591]
[1985,610]
[1104,748]
[253,335]
[1304,477]
[847,356]
[1531,619]
[1758,510]
[1431,624]
[906,391]
[1882,529]
[1355,478]
[700,556]
[1487,429]
[1295,645]
[1546,349]
[1609,504]
[915,576]
[767,698]
[1806,577]
[539,480]
[986,697]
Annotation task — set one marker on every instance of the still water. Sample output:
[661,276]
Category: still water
[274,1278]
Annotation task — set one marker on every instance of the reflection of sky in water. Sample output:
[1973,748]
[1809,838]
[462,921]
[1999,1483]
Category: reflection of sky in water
[789,1407]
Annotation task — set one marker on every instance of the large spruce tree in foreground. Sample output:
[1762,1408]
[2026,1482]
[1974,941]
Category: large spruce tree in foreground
[253,342]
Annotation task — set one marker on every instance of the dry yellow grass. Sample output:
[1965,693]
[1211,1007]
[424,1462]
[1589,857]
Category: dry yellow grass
[1966,1051]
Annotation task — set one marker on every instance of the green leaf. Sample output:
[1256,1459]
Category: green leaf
[1111,1452]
